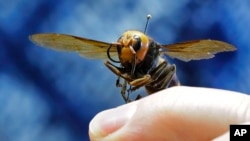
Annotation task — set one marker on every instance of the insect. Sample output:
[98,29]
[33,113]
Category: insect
[139,58]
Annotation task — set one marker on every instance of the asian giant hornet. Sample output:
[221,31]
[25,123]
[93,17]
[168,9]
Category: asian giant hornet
[139,56]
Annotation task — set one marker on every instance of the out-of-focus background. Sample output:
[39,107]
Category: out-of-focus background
[50,96]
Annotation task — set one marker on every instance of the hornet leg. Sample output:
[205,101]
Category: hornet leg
[162,77]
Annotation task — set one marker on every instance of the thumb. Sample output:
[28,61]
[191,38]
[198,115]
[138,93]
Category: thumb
[178,113]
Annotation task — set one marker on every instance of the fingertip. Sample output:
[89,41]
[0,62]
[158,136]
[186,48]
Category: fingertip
[109,121]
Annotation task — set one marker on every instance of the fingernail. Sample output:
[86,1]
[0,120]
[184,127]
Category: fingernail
[111,120]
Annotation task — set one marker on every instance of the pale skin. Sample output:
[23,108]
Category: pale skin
[174,114]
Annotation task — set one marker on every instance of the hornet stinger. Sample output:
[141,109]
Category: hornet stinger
[139,57]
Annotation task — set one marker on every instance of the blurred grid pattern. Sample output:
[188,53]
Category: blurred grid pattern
[47,95]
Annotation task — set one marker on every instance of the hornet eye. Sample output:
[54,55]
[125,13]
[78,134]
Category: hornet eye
[137,43]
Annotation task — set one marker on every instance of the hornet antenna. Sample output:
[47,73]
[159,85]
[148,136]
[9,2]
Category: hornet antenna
[148,17]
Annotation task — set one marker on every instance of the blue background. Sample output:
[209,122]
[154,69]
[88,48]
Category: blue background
[47,95]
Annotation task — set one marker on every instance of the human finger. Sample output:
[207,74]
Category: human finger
[178,113]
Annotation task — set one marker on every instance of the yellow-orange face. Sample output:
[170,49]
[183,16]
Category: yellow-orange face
[133,46]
